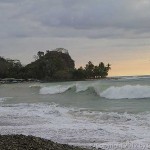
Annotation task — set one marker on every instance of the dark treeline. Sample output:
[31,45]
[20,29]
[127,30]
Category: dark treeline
[10,68]
[52,66]
[92,72]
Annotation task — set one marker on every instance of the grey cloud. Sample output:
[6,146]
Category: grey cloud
[97,14]
[75,18]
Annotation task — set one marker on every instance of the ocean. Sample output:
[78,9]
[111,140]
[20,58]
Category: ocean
[112,113]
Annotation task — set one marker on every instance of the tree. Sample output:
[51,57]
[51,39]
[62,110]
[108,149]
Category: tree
[108,67]
[3,67]
[40,54]
[10,68]
[89,68]
[14,68]
[79,73]
[96,72]
[91,71]
[36,57]
[51,66]
[103,70]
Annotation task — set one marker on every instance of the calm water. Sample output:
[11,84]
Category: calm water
[112,114]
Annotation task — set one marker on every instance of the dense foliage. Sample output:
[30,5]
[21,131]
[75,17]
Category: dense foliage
[52,66]
[10,68]
[92,72]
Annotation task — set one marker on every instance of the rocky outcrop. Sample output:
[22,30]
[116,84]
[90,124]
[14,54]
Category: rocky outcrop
[54,65]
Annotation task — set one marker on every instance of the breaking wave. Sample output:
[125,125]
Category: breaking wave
[36,86]
[55,89]
[2,99]
[126,92]
[108,92]
[58,89]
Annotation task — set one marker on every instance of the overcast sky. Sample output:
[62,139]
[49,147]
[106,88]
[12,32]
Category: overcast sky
[112,31]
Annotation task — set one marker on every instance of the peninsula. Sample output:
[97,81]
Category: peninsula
[55,65]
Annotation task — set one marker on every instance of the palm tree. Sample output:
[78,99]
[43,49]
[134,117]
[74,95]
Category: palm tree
[103,70]
[89,68]
[108,67]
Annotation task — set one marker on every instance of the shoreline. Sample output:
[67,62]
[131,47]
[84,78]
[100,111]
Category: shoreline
[23,142]
[15,81]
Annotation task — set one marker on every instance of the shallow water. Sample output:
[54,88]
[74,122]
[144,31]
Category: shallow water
[112,114]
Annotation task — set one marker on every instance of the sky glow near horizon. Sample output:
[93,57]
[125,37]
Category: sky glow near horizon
[112,31]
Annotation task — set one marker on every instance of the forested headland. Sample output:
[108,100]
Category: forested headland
[55,65]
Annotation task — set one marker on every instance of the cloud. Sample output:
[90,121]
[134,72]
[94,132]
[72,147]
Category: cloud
[114,31]
[75,18]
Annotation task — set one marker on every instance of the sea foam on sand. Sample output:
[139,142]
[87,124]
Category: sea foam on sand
[76,126]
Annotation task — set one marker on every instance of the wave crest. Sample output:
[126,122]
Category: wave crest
[2,99]
[57,89]
[127,92]
[113,92]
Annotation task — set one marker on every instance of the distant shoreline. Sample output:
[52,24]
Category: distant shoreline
[13,80]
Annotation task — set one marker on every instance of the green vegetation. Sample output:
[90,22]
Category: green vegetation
[51,66]
[92,72]
[10,68]
[56,65]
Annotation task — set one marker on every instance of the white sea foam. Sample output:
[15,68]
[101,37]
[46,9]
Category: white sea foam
[126,92]
[81,87]
[55,89]
[75,126]
[113,92]
[2,99]
[35,86]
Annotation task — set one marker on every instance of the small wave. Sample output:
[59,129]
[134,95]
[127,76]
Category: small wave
[133,77]
[55,89]
[126,92]
[82,87]
[35,86]
[58,89]
[123,92]
[2,99]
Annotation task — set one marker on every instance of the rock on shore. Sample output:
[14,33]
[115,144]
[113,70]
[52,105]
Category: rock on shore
[22,142]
